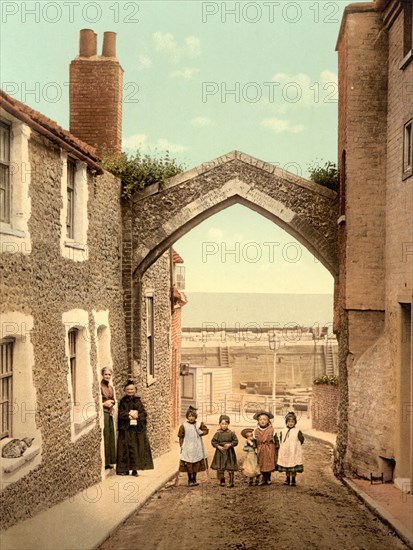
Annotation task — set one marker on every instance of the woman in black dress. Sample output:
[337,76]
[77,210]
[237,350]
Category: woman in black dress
[134,452]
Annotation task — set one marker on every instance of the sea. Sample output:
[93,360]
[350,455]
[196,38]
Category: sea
[243,310]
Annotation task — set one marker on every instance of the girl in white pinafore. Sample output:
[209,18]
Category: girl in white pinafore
[290,455]
[193,457]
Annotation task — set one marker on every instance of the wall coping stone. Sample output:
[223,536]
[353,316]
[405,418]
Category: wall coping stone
[229,157]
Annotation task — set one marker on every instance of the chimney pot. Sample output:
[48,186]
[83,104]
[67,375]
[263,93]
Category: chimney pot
[109,44]
[87,43]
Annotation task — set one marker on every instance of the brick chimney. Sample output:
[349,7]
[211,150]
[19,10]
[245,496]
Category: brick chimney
[96,94]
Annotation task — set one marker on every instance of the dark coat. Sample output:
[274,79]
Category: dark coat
[224,460]
[134,452]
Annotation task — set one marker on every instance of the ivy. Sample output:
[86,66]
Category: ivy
[327,380]
[141,170]
[326,175]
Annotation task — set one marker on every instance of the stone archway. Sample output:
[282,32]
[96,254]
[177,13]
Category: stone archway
[306,210]
[158,216]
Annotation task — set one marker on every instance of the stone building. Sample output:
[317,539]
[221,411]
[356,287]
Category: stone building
[375,238]
[65,291]
[62,308]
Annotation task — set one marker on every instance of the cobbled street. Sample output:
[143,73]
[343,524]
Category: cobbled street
[318,513]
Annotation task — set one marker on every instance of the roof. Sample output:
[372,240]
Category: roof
[179,297]
[176,258]
[50,129]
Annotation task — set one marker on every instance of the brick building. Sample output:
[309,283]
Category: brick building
[375,238]
[65,291]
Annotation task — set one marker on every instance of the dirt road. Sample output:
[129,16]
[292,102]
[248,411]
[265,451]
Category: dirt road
[319,513]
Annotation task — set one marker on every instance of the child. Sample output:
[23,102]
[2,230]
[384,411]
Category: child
[134,452]
[290,459]
[267,443]
[224,442]
[250,466]
[193,455]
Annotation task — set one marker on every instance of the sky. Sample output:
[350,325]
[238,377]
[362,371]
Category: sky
[202,79]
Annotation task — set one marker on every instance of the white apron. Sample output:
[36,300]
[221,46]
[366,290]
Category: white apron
[192,449]
[290,453]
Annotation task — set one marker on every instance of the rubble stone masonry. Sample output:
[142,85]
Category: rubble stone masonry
[155,393]
[44,285]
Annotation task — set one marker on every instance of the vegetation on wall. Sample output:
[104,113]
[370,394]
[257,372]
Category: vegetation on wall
[141,170]
[327,380]
[326,174]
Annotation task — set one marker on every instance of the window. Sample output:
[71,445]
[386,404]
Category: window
[6,375]
[4,172]
[79,373]
[15,203]
[180,277]
[343,185]
[18,403]
[150,347]
[407,34]
[188,386]
[73,333]
[408,149]
[73,216]
[70,216]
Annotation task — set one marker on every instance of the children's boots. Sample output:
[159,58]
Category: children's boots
[231,479]
[287,480]
[293,481]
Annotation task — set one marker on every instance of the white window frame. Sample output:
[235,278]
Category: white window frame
[82,404]
[74,247]
[18,326]
[14,232]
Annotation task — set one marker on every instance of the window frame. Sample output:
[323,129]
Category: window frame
[71,199]
[180,276]
[407,34]
[6,400]
[407,167]
[5,164]
[72,336]
[186,380]
[150,337]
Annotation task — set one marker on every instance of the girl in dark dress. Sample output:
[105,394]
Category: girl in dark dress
[224,442]
[134,452]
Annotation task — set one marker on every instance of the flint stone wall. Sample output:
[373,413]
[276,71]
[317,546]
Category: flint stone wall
[44,285]
[156,396]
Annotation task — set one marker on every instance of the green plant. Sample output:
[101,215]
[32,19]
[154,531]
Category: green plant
[327,380]
[326,175]
[141,170]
